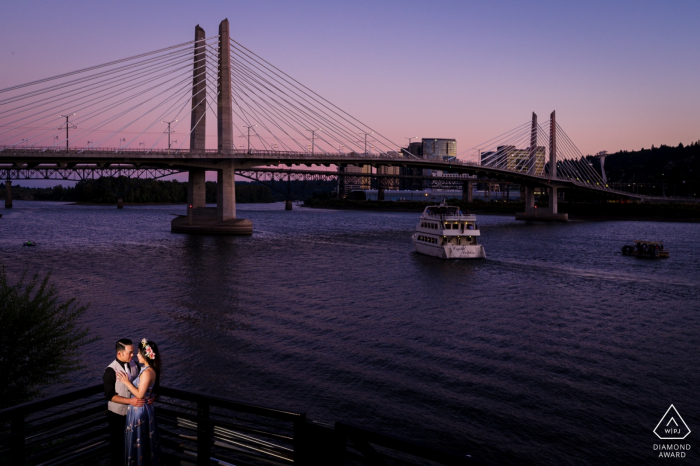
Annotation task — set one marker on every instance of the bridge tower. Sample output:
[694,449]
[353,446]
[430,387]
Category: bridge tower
[553,163]
[529,191]
[200,219]
[196,185]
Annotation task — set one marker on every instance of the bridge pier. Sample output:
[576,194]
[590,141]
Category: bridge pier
[8,194]
[468,191]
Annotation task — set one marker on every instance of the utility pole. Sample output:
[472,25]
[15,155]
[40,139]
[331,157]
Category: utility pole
[168,131]
[68,125]
[253,126]
[313,132]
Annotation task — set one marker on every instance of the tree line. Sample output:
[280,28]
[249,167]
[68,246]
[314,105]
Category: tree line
[669,170]
[106,190]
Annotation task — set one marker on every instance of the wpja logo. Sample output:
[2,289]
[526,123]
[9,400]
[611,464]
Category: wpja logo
[672,427]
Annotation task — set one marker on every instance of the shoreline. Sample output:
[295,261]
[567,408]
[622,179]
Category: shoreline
[572,216]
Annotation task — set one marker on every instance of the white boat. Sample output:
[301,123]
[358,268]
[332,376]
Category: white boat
[445,232]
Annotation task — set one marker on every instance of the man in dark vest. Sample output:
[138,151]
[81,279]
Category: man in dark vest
[119,398]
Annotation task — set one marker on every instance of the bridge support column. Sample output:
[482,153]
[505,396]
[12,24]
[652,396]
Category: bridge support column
[529,200]
[553,198]
[225,193]
[196,192]
[8,194]
[468,191]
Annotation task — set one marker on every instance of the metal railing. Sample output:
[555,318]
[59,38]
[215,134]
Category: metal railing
[197,429]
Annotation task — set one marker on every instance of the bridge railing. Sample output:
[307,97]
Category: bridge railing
[200,429]
[77,151]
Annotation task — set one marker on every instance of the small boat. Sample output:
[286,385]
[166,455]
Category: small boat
[444,231]
[647,249]
[29,243]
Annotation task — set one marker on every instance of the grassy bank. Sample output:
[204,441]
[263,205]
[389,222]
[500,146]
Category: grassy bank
[680,212]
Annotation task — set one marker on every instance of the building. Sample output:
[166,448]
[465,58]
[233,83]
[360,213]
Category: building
[441,149]
[428,148]
[520,160]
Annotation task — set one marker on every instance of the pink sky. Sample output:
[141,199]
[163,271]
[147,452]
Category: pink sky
[621,75]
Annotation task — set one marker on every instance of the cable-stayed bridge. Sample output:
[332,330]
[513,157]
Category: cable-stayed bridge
[212,104]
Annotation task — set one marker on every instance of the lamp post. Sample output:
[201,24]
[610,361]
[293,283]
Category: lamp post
[252,126]
[313,132]
[120,142]
[168,131]
[68,125]
[366,134]
[410,139]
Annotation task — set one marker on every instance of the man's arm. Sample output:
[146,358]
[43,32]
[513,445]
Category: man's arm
[110,379]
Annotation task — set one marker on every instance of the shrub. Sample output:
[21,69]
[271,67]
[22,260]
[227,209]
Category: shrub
[40,338]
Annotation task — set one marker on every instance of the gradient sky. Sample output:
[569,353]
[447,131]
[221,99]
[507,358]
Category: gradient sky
[620,74]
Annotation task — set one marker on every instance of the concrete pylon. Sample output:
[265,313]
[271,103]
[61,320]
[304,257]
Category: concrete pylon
[196,183]
[533,145]
[225,192]
[199,93]
[8,194]
[226,183]
[553,162]
[219,220]
[224,102]
[467,191]
[529,200]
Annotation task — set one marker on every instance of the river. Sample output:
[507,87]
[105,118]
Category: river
[556,349]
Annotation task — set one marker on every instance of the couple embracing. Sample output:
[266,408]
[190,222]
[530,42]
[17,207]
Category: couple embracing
[129,391]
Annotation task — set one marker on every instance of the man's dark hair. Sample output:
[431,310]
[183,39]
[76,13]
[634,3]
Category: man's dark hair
[122,344]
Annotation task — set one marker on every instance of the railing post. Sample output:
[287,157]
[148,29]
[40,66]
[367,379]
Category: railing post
[300,442]
[340,441]
[17,427]
[204,434]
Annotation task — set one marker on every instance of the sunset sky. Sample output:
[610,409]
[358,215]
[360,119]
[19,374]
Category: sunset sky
[620,74]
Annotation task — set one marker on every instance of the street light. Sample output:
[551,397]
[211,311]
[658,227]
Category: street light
[313,132]
[168,130]
[366,134]
[120,142]
[68,125]
[410,139]
[253,126]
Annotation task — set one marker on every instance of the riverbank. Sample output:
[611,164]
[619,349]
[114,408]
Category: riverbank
[576,211]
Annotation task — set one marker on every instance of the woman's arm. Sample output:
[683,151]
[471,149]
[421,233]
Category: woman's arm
[146,377]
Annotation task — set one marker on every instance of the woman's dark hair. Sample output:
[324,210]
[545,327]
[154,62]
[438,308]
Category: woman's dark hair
[154,363]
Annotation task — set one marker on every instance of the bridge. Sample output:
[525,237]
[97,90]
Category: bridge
[279,120]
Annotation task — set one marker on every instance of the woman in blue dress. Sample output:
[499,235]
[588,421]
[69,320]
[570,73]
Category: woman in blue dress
[142,446]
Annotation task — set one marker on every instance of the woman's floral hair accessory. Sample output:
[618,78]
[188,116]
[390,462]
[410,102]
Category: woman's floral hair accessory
[147,348]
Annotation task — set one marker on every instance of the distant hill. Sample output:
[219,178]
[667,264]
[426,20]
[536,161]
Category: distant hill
[678,167]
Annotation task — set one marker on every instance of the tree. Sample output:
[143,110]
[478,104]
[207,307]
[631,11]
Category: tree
[40,338]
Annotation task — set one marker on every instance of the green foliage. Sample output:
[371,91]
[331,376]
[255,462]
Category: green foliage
[40,338]
[674,171]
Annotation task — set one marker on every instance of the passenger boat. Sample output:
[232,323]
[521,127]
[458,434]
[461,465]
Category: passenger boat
[445,232]
[648,249]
